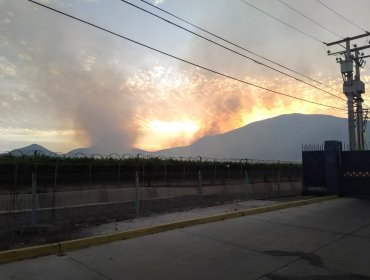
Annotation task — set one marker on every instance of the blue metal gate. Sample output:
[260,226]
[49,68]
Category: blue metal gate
[314,173]
[330,170]
[355,170]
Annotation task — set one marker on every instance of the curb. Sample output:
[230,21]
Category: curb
[57,248]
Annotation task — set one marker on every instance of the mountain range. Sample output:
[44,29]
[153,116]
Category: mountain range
[278,138]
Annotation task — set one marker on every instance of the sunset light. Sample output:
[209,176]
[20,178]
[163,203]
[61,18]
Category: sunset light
[157,134]
[173,128]
[128,118]
[110,93]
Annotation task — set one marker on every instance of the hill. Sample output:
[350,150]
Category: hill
[278,138]
[30,150]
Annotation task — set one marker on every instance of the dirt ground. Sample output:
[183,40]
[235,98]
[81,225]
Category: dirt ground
[37,235]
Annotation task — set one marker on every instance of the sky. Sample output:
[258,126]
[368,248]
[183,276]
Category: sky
[66,85]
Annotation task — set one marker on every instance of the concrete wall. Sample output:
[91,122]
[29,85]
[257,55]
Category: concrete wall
[87,205]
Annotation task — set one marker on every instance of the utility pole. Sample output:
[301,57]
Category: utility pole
[353,87]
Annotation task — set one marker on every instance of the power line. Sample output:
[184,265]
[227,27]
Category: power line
[181,59]
[339,15]
[310,19]
[236,45]
[231,50]
[283,22]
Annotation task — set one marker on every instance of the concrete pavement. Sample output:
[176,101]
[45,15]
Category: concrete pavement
[328,240]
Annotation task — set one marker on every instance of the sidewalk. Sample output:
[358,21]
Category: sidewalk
[328,240]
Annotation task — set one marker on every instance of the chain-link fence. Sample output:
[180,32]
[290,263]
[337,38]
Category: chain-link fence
[37,189]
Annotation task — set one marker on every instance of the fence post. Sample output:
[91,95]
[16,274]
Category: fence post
[54,188]
[34,199]
[183,174]
[333,151]
[15,176]
[137,193]
[214,173]
[246,182]
[143,176]
[90,172]
[165,174]
[119,174]
[200,183]
[14,196]
[279,178]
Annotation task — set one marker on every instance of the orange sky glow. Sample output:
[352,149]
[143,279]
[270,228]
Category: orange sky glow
[178,108]
[66,85]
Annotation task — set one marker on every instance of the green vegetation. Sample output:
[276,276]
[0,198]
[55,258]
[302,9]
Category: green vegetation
[16,171]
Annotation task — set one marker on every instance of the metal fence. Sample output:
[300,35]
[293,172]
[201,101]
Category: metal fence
[39,189]
[331,169]
[355,173]
[313,167]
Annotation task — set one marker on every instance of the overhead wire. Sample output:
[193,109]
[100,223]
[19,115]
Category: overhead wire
[341,16]
[180,59]
[283,22]
[231,50]
[310,19]
[317,23]
[236,45]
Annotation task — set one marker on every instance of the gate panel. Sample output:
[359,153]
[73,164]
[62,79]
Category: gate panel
[355,173]
[314,179]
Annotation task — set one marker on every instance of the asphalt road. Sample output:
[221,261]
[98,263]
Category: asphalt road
[328,240]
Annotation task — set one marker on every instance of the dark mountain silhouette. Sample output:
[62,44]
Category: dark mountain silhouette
[278,138]
[30,150]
